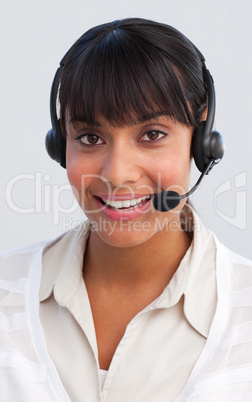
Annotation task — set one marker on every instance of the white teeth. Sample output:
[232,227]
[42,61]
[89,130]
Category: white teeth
[126,203]
[116,204]
[133,202]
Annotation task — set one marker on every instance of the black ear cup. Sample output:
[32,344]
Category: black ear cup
[56,146]
[206,147]
[51,146]
[216,146]
[55,142]
[197,145]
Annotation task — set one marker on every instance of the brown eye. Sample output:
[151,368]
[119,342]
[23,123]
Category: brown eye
[90,139]
[153,135]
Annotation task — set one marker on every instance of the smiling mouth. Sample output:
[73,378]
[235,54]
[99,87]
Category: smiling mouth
[125,204]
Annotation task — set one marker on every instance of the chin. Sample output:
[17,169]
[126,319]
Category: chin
[133,233]
[123,234]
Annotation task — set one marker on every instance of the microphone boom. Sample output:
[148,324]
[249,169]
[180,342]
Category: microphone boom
[167,200]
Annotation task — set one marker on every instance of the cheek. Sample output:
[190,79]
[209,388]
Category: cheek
[75,182]
[78,165]
[80,174]
[172,172]
[74,171]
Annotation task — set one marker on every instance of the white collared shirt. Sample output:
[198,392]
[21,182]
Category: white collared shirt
[161,343]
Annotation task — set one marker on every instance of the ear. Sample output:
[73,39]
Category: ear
[204,114]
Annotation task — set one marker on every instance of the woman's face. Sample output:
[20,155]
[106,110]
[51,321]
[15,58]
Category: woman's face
[114,172]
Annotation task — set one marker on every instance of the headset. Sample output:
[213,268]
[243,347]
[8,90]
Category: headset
[55,142]
[207,143]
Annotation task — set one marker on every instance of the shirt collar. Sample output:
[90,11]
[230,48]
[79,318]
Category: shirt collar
[62,264]
[195,279]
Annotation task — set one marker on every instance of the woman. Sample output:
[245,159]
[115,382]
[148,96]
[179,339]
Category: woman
[125,308]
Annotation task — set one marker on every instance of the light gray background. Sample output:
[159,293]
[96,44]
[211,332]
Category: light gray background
[35,36]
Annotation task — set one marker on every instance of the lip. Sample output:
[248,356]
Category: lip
[123,214]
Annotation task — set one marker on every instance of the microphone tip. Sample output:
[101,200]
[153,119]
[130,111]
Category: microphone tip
[166,201]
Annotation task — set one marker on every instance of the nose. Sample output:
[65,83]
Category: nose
[120,167]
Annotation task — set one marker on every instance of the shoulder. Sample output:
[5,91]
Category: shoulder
[30,250]
[234,266]
[234,257]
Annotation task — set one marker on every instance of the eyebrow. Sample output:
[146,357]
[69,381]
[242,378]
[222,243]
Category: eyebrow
[150,116]
[77,120]
[139,120]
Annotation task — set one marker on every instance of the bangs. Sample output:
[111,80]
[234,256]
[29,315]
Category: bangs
[122,78]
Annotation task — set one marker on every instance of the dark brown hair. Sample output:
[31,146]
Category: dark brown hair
[129,69]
